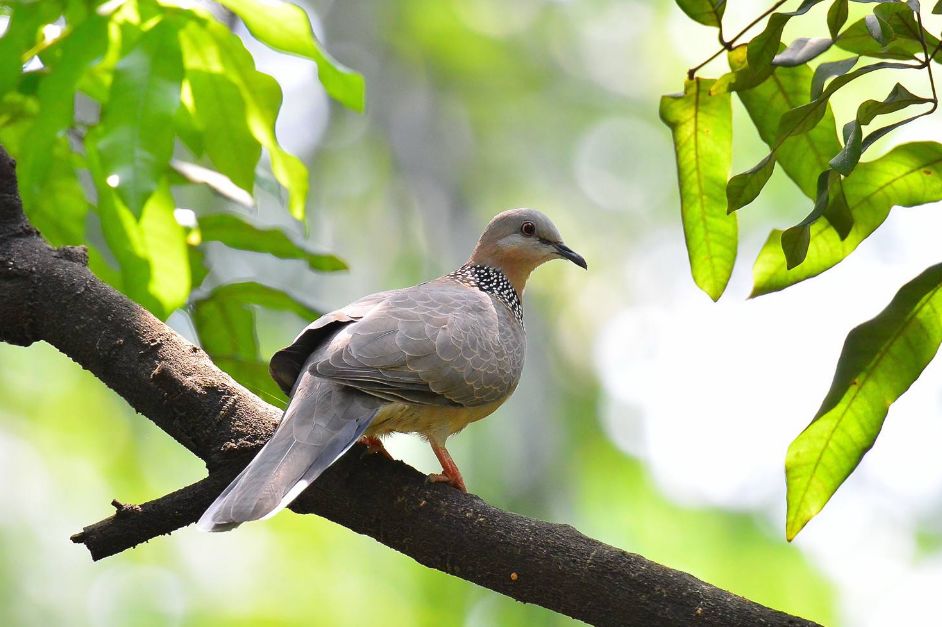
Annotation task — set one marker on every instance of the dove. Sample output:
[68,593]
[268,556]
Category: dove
[428,359]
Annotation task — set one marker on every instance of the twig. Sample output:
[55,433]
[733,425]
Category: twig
[928,61]
[728,45]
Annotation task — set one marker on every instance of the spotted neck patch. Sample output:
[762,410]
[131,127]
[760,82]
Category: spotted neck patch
[492,281]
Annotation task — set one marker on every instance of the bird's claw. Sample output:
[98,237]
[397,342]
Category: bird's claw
[455,482]
[374,445]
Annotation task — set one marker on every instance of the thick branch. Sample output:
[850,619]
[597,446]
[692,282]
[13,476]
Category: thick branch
[50,295]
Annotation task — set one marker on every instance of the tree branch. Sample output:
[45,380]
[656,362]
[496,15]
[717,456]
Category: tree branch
[50,295]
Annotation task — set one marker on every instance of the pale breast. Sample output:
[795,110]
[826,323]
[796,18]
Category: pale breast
[435,422]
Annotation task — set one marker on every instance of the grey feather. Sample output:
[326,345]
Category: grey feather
[323,420]
[437,343]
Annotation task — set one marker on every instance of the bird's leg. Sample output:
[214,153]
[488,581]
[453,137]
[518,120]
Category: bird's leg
[374,445]
[450,473]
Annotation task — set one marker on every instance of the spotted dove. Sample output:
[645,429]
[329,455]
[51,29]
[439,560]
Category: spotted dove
[428,359]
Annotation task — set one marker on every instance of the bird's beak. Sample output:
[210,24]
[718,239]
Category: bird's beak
[567,253]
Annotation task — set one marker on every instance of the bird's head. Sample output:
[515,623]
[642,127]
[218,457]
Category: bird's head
[519,240]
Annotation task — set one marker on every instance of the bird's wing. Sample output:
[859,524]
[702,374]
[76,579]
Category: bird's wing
[436,344]
[322,421]
[286,364]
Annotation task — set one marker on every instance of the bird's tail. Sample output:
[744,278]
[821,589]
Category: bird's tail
[322,421]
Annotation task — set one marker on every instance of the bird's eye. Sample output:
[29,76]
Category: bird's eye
[528,228]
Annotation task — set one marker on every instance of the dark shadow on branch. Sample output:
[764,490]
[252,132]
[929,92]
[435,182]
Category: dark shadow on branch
[49,295]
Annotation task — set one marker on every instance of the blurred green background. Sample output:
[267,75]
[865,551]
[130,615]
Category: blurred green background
[648,417]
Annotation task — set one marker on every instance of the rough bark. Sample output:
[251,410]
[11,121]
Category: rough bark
[49,295]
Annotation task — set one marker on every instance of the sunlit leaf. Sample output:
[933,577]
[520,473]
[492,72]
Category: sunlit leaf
[880,361]
[702,131]
[805,117]
[56,93]
[286,27]
[909,175]
[802,157]
[262,97]
[151,249]
[137,122]
[708,12]
[236,233]
[219,110]
[21,34]
[794,123]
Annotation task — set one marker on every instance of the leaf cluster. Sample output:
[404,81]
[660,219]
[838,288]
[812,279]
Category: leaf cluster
[787,98]
[113,109]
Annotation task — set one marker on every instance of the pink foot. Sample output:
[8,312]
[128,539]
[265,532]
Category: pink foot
[374,445]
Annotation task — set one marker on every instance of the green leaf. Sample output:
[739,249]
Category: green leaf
[286,27]
[802,157]
[794,123]
[219,183]
[707,12]
[937,9]
[151,250]
[846,160]
[137,122]
[702,130]
[186,126]
[219,110]
[801,51]
[226,331]
[829,70]
[745,187]
[198,269]
[761,52]
[879,29]
[804,118]
[252,293]
[262,97]
[880,361]
[907,176]
[59,211]
[833,206]
[898,17]
[234,232]
[66,63]
[854,144]
[21,34]
[837,17]
[795,240]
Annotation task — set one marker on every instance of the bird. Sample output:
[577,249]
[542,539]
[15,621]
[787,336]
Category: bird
[428,359]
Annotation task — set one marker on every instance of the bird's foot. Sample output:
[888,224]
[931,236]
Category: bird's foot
[374,445]
[450,473]
[455,482]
